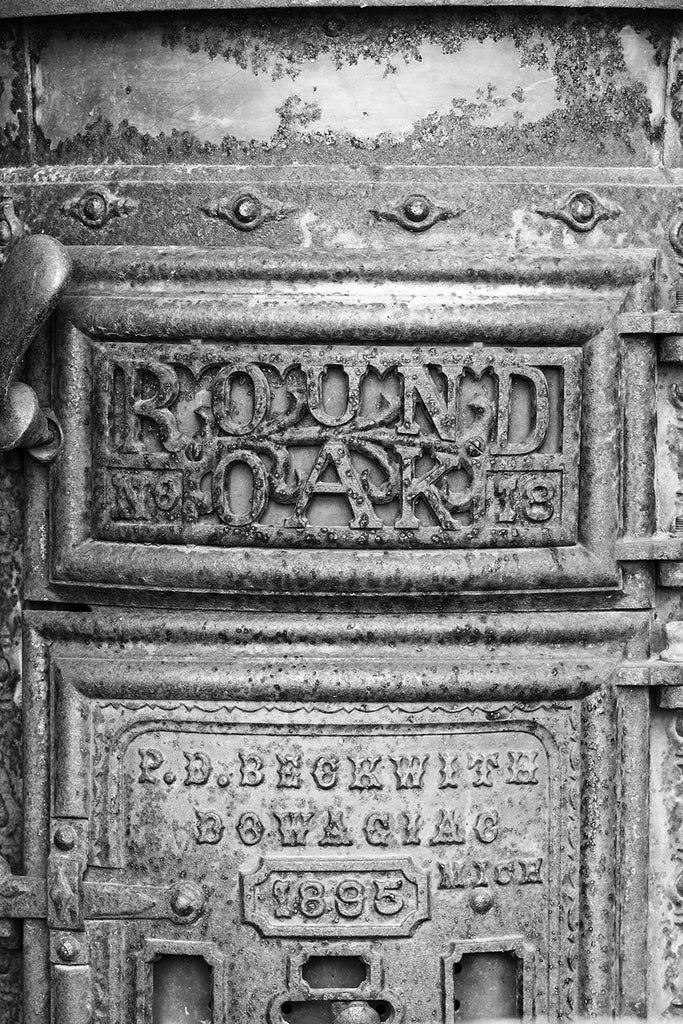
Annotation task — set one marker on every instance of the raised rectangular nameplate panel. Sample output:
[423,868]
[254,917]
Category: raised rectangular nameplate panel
[342,824]
[209,820]
[317,442]
[382,447]
[401,828]
[335,897]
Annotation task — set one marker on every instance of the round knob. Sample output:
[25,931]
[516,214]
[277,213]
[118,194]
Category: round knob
[354,1013]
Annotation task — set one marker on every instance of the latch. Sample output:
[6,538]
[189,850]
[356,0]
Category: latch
[32,280]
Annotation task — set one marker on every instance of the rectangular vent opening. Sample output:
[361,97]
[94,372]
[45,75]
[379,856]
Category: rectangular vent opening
[487,986]
[343,972]
[183,990]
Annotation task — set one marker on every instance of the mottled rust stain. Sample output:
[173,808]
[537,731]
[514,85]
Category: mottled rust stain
[447,87]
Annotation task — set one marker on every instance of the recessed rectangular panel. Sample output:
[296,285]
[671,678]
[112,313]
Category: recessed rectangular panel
[182,990]
[369,87]
[278,829]
[365,447]
[473,456]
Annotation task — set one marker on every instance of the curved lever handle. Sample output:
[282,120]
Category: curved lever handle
[32,280]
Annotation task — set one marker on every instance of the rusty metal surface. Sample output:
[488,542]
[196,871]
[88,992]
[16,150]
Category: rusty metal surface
[369,373]
[445,86]
[42,8]
[11,805]
[138,431]
[263,799]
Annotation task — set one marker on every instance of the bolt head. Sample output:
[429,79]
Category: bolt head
[416,209]
[65,837]
[247,209]
[582,208]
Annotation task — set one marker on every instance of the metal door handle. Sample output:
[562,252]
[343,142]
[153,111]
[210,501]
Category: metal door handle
[32,280]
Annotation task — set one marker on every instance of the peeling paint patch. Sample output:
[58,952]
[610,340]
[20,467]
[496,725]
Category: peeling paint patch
[219,99]
[643,64]
[454,87]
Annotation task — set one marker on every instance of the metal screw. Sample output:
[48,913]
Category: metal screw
[582,208]
[416,209]
[247,209]
[68,950]
[65,837]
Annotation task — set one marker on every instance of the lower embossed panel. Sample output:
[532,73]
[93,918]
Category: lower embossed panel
[292,833]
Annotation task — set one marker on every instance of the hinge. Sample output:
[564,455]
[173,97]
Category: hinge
[66,900]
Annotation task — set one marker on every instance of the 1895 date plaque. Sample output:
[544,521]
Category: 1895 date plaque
[387,447]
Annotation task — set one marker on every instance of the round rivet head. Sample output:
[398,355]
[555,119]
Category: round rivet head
[416,209]
[95,206]
[481,901]
[68,950]
[65,837]
[582,208]
[247,209]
